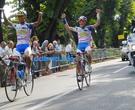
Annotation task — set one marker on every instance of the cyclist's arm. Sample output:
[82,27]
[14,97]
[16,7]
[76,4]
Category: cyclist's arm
[39,20]
[68,28]
[98,18]
[6,20]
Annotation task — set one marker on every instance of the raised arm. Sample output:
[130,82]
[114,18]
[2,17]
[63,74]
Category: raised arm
[6,20]
[98,11]
[68,28]
[39,19]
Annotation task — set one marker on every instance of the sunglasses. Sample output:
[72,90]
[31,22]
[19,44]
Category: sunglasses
[20,15]
[82,20]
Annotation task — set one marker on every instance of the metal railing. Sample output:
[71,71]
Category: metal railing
[62,60]
[54,63]
[101,54]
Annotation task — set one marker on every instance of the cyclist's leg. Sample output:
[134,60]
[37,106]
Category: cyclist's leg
[80,48]
[26,50]
[78,63]
[89,54]
[28,59]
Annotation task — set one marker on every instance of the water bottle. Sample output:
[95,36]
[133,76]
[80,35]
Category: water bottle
[21,74]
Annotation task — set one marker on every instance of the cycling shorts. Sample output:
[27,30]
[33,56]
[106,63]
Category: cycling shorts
[83,46]
[22,47]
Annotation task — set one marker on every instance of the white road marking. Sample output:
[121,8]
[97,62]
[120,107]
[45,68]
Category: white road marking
[120,69]
[46,102]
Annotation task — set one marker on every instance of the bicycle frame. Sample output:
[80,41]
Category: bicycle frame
[82,61]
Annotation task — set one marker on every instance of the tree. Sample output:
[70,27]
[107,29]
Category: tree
[51,27]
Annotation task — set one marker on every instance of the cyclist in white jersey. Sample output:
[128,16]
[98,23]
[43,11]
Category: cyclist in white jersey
[84,34]
[23,32]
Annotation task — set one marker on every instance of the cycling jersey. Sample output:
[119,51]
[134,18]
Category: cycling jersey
[22,47]
[84,34]
[84,37]
[23,32]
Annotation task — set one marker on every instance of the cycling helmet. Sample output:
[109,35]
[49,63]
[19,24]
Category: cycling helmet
[133,30]
[20,13]
[82,18]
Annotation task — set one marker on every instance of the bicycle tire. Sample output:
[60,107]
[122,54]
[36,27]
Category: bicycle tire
[9,75]
[87,74]
[80,83]
[88,78]
[25,87]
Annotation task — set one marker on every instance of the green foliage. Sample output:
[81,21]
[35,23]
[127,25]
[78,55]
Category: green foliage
[111,25]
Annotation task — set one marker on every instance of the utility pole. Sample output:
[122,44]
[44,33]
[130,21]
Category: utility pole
[2,3]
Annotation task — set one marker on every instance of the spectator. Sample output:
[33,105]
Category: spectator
[34,38]
[44,46]
[9,48]
[50,54]
[35,47]
[2,48]
[68,50]
[46,62]
[36,53]
[55,44]
[51,50]
[58,50]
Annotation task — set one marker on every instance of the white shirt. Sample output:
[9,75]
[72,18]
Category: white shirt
[68,48]
[8,51]
[2,52]
[58,47]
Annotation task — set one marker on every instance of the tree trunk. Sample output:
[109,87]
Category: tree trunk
[50,31]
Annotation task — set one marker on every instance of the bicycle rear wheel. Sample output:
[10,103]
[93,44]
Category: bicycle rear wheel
[29,84]
[10,84]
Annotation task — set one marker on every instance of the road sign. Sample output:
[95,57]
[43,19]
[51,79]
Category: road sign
[120,37]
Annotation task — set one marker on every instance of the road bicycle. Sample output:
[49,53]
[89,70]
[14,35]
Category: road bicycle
[85,70]
[16,78]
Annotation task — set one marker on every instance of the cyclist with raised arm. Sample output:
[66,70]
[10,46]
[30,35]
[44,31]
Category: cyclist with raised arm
[23,32]
[84,35]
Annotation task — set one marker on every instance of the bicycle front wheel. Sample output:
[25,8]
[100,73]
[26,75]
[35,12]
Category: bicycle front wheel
[88,78]
[80,79]
[10,84]
[29,84]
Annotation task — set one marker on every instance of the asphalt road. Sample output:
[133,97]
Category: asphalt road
[112,88]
